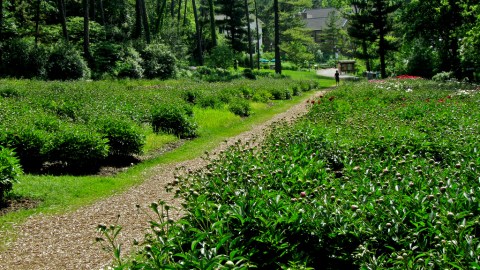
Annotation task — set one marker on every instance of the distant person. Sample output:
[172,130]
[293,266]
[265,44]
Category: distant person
[337,78]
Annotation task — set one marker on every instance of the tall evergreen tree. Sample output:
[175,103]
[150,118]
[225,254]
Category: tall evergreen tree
[257,34]
[198,33]
[211,10]
[234,23]
[376,16]
[37,21]
[249,35]
[360,28]
[86,31]
[278,63]
[146,26]
[63,18]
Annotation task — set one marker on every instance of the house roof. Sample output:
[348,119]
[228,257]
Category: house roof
[316,19]
[223,17]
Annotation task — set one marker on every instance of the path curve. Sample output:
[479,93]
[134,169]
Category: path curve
[67,241]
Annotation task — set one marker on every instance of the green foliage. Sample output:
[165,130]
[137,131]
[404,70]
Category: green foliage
[174,119]
[443,76]
[9,92]
[21,59]
[240,107]
[158,62]
[221,56]
[10,170]
[248,73]
[124,137]
[29,145]
[129,65]
[65,63]
[129,68]
[36,114]
[78,148]
[378,175]
[106,55]
[215,74]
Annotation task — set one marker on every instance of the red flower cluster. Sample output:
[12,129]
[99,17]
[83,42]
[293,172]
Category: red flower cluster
[408,77]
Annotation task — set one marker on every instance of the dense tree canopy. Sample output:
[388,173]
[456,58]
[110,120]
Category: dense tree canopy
[419,37]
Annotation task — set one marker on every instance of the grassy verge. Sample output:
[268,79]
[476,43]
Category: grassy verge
[63,193]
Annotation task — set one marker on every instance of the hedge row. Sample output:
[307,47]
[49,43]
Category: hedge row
[82,124]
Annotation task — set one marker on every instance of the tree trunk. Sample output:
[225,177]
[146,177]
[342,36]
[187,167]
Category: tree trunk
[1,20]
[365,54]
[138,19]
[249,36]
[257,34]
[146,27]
[172,9]
[102,12]
[212,23]
[37,21]
[179,13]
[278,64]
[63,18]
[185,13]
[94,10]
[1,32]
[86,31]
[160,12]
[199,35]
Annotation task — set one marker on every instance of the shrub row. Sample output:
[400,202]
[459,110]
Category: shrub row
[21,58]
[84,123]
[354,184]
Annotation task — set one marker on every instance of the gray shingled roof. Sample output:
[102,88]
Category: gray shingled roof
[317,18]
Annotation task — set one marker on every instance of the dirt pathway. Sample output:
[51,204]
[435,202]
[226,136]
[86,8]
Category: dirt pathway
[67,241]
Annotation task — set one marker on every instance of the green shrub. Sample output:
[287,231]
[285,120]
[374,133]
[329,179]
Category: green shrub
[296,90]
[209,101]
[221,56]
[65,63]
[9,171]
[281,94]
[443,76]
[124,137]
[262,96]
[29,145]
[21,59]
[8,92]
[129,65]
[129,68]
[174,119]
[106,55]
[78,147]
[159,62]
[215,74]
[247,92]
[191,96]
[240,107]
[248,73]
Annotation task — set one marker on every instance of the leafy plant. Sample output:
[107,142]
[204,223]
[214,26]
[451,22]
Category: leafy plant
[65,63]
[240,107]
[174,119]
[124,137]
[78,147]
[158,62]
[10,169]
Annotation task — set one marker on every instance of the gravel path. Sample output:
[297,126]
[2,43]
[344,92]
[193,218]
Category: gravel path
[67,241]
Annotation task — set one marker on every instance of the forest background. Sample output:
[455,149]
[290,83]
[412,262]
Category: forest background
[72,39]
